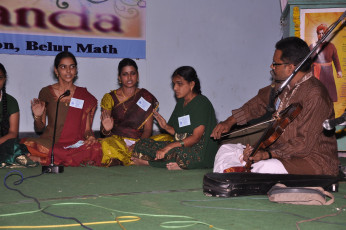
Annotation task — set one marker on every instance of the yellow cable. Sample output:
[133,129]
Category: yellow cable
[135,218]
[117,221]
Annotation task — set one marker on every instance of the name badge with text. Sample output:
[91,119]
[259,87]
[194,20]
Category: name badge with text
[76,103]
[184,121]
[144,104]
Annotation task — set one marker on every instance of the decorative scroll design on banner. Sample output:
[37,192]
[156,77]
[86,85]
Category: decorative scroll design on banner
[65,5]
[124,8]
[128,8]
[296,21]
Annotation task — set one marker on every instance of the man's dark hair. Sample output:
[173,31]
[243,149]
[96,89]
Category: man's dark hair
[294,50]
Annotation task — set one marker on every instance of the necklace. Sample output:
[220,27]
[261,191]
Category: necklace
[286,100]
[126,98]
[65,99]
[122,92]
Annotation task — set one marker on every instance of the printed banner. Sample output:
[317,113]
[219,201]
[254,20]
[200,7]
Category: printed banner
[87,28]
[330,63]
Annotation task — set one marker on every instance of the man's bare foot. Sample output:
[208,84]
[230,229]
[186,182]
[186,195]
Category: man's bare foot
[138,161]
[173,166]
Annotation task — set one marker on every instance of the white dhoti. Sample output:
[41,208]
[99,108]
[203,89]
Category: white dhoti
[231,155]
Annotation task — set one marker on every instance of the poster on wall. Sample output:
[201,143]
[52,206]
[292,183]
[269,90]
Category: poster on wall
[87,28]
[330,60]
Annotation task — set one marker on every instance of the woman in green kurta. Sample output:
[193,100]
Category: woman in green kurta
[12,154]
[191,123]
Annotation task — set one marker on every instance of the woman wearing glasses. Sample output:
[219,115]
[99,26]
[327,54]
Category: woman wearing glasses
[75,144]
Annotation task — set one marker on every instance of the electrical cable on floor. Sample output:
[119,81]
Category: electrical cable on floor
[320,217]
[167,224]
[116,221]
[18,182]
[185,203]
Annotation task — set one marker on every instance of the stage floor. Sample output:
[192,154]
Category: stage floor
[149,198]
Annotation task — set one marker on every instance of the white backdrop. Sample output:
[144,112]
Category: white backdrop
[229,42]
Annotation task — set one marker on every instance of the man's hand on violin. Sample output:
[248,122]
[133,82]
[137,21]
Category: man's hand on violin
[260,154]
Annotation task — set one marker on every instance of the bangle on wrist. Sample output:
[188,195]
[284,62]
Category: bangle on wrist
[269,154]
[37,117]
[87,137]
[182,143]
[106,134]
[88,134]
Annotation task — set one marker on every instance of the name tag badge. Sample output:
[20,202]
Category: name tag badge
[143,104]
[76,103]
[184,121]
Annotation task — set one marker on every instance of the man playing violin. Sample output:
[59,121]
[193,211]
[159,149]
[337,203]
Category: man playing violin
[303,147]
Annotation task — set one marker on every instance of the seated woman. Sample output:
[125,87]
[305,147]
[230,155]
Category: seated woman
[12,154]
[126,116]
[75,144]
[191,123]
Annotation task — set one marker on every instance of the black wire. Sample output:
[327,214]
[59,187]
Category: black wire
[18,182]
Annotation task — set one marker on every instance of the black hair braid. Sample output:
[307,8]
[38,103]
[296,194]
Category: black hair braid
[5,123]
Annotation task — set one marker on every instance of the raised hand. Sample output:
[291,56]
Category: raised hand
[162,122]
[107,120]
[37,107]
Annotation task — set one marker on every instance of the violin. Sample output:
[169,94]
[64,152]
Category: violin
[274,130]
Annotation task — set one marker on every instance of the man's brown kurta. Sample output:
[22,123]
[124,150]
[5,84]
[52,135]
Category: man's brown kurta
[302,148]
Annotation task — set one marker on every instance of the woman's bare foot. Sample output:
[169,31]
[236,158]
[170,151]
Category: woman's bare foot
[138,161]
[34,158]
[173,166]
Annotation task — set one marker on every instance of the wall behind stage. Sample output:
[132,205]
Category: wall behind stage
[229,43]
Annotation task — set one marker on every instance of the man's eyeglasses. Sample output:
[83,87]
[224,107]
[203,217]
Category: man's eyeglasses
[277,64]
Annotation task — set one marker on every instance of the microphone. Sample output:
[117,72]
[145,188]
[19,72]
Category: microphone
[52,168]
[67,93]
[330,124]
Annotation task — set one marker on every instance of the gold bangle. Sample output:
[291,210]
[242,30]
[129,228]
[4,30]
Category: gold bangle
[37,117]
[88,134]
[109,132]
[87,137]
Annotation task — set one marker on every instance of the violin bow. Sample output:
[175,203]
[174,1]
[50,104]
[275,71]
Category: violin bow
[246,128]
